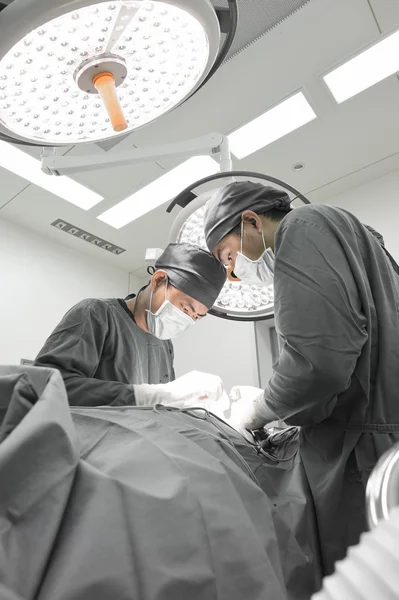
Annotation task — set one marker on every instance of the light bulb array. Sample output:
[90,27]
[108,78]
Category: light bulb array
[165,50]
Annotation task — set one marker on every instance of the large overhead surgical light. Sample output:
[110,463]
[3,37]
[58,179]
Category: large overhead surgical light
[76,71]
[238,301]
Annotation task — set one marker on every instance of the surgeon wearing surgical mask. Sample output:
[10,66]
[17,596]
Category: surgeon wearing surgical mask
[257,271]
[117,352]
[177,312]
[336,298]
[248,248]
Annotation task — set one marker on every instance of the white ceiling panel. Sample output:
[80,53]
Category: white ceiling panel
[386,13]
[10,185]
[256,17]
[355,179]
[355,134]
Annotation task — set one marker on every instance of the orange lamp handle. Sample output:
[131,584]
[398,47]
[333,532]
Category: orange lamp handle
[105,86]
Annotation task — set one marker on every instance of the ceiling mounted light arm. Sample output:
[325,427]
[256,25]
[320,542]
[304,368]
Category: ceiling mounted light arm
[213,144]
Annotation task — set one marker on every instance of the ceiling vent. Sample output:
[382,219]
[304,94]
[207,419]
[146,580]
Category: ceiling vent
[85,236]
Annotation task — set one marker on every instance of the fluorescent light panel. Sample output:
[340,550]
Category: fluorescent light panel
[365,69]
[15,160]
[159,191]
[271,125]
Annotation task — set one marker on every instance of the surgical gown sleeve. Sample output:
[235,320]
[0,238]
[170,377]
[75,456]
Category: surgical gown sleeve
[75,348]
[319,319]
[7,594]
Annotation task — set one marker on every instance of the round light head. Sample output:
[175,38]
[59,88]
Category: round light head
[166,49]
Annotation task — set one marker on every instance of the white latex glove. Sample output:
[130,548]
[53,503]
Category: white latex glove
[194,389]
[248,409]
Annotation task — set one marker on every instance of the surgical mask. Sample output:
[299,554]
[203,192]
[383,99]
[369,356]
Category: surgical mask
[255,272]
[168,322]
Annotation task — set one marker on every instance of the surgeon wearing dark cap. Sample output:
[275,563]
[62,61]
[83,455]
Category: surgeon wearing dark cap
[336,295]
[118,352]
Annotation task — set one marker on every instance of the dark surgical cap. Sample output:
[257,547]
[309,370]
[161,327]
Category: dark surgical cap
[193,271]
[225,208]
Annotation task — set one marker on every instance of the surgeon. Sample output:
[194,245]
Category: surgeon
[337,318]
[116,352]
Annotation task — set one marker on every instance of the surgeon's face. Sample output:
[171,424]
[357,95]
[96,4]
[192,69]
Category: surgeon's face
[227,249]
[183,302]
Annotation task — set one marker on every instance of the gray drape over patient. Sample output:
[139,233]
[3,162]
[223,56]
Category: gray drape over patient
[127,503]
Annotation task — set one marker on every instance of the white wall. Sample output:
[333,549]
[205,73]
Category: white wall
[264,352]
[376,204]
[136,283]
[39,282]
[224,348]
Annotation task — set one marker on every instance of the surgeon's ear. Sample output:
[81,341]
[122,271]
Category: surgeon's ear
[158,279]
[250,217]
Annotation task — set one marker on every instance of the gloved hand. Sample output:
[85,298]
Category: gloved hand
[248,409]
[195,389]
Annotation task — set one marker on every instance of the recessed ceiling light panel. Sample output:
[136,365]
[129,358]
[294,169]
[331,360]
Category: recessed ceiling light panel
[275,123]
[159,191]
[160,51]
[365,70]
[22,164]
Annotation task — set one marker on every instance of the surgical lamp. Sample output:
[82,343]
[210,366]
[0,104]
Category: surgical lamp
[79,71]
[238,301]
[383,488]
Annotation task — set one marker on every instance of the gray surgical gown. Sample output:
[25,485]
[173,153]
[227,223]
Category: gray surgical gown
[100,352]
[336,303]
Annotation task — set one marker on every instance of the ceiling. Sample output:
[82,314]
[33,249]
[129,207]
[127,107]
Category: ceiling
[347,145]
[256,17]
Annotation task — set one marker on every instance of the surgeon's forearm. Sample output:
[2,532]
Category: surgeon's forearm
[308,378]
[265,411]
[279,411]
[303,400]
[83,391]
